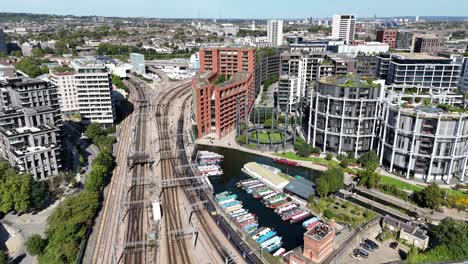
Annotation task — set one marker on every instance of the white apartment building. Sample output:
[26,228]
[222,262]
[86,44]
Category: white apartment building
[64,79]
[86,89]
[344,27]
[275,32]
[292,81]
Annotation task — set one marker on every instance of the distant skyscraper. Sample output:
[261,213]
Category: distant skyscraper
[3,47]
[417,19]
[253,25]
[344,27]
[138,62]
[275,32]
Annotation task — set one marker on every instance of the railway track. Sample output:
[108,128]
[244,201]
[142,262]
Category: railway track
[177,251]
[136,232]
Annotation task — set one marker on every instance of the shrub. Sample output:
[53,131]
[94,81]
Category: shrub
[344,163]
[35,245]
[329,156]
[329,214]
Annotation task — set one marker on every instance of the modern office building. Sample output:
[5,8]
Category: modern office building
[424,136]
[275,32]
[419,69]
[318,242]
[138,62]
[427,44]
[343,114]
[224,88]
[3,45]
[30,122]
[387,36]
[404,40]
[86,90]
[344,27]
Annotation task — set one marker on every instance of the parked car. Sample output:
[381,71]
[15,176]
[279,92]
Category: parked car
[356,256]
[361,252]
[367,247]
[372,243]
[394,245]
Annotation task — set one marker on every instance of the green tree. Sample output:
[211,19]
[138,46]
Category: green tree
[3,257]
[104,158]
[93,131]
[369,160]
[335,178]
[16,53]
[322,187]
[37,52]
[66,227]
[15,191]
[39,194]
[35,245]
[430,197]
[30,66]
[118,82]
[96,178]
[369,178]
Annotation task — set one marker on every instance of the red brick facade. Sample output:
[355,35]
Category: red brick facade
[239,65]
[387,36]
[318,242]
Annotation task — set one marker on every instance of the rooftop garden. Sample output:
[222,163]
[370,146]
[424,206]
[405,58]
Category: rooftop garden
[62,69]
[351,81]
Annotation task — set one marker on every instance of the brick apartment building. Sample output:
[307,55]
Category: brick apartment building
[388,36]
[226,76]
[318,242]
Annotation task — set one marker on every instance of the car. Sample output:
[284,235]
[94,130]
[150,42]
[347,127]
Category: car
[394,245]
[367,247]
[363,253]
[356,256]
[372,243]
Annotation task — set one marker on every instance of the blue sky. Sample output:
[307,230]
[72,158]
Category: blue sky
[239,8]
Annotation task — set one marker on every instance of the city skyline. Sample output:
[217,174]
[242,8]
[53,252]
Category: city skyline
[261,9]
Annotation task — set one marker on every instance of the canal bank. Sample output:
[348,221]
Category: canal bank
[234,160]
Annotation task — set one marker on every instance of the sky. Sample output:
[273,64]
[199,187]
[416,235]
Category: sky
[260,9]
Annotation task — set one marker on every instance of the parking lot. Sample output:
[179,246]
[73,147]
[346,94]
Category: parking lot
[383,254]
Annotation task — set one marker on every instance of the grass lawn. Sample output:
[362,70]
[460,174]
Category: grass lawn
[342,211]
[276,136]
[316,160]
[399,184]
[407,186]
[262,136]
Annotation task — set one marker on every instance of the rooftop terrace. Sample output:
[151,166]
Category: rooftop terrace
[319,231]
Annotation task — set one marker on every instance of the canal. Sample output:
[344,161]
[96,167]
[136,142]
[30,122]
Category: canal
[234,160]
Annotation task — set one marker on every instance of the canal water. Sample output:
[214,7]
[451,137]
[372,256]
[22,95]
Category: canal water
[234,160]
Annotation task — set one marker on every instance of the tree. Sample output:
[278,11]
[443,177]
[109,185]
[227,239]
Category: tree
[430,197]
[30,66]
[369,160]
[104,158]
[39,194]
[3,257]
[35,245]
[37,52]
[96,178]
[66,227]
[450,241]
[118,82]
[369,178]
[16,53]
[322,187]
[93,131]
[329,181]
[14,191]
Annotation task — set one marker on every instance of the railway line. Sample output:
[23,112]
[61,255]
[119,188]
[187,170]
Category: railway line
[152,122]
[136,231]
